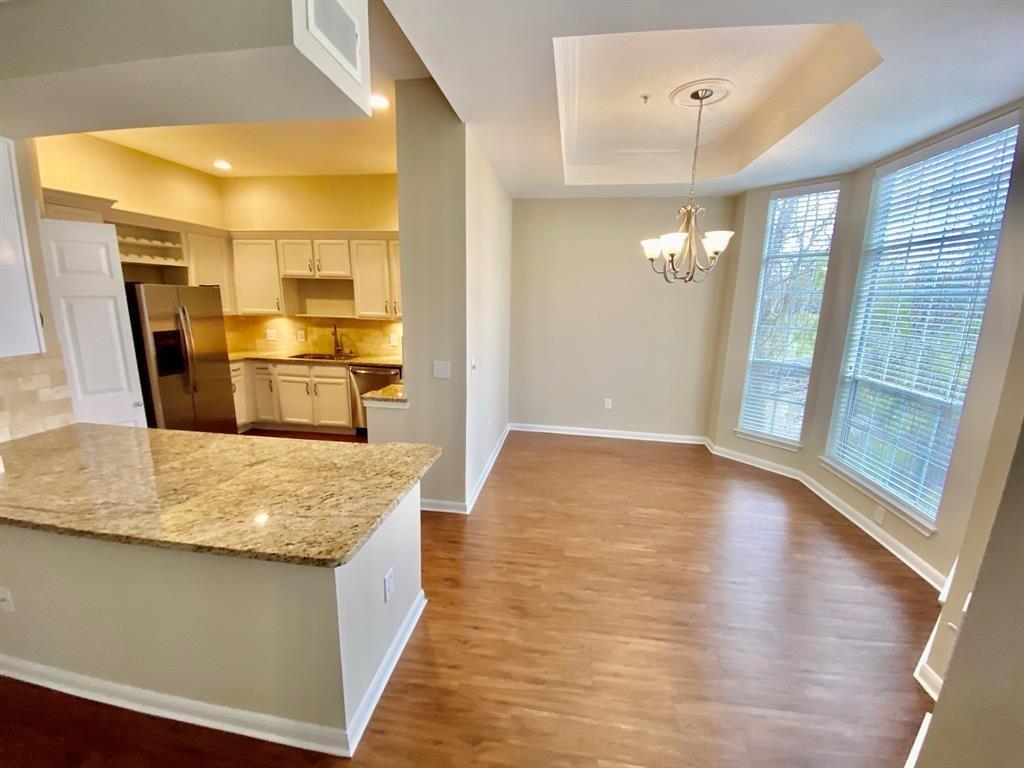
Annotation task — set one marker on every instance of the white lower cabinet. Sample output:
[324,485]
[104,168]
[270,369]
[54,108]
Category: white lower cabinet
[295,394]
[265,394]
[332,405]
[240,393]
[303,395]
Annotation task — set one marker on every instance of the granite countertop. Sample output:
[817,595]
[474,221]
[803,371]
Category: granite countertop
[277,357]
[266,498]
[392,393]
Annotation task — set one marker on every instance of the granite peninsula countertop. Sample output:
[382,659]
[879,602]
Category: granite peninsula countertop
[275,357]
[266,498]
[392,393]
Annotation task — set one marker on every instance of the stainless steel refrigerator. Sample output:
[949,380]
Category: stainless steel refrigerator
[183,357]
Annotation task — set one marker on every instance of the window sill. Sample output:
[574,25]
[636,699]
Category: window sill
[913,518]
[774,442]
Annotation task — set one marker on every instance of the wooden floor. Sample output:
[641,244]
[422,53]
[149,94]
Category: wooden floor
[608,604]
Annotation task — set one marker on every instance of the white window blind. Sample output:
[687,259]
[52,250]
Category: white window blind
[796,248]
[931,246]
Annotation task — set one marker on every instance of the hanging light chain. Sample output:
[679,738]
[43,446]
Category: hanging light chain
[701,95]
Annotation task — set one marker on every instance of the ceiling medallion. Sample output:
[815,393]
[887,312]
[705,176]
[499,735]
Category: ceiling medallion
[676,256]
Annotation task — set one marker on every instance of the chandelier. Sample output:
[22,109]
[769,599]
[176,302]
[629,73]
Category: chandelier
[676,256]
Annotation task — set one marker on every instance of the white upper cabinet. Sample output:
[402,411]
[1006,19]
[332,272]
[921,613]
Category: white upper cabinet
[372,281]
[395,277]
[257,282]
[332,258]
[21,331]
[296,258]
[211,265]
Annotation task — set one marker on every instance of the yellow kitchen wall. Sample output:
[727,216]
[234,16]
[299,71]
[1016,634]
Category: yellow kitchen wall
[248,334]
[311,202]
[139,182]
[144,183]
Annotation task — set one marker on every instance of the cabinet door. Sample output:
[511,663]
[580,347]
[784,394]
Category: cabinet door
[370,270]
[266,398]
[333,407]
[395,277]
[241,404]
[332,258]
[257,282]
[296,257]
[295,394]
[211,265]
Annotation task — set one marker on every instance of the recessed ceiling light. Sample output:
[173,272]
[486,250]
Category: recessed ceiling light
[379,102]
[222,165]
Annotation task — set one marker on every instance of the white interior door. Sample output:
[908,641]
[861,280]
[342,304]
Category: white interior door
[91,312]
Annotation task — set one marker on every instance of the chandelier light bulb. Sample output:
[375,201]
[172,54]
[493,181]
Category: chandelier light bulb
[715,242]
[672,243]
[652,248]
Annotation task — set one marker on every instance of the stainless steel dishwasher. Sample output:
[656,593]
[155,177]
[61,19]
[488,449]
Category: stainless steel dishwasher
[366,378]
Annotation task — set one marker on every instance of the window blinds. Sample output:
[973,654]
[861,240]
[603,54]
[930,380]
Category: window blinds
[931,246]
[797,243]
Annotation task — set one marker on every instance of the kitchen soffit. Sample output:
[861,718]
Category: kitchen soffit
[781,75]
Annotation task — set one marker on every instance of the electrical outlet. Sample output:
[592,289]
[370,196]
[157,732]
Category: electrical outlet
[394,339]
[271,334]
[300,335]
[607,403]
[442,369]
[879,514]
[6,600]
[389,584]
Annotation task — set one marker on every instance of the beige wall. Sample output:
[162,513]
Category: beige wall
[976,442]
[590,319]
[147,184]
[311,202]
[488,295]
[432,200]
[139,182]
[34,388]
[978,716]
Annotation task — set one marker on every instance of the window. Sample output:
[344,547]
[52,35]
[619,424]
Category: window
[930,250]
[793,267]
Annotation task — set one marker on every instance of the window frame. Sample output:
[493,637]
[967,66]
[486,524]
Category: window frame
[766,438]
[918,520]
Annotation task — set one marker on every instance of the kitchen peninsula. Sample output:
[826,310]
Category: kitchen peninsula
[256,585]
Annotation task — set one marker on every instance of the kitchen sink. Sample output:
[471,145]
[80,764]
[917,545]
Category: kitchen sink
[320,356]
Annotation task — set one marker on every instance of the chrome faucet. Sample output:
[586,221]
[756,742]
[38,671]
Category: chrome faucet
[339,346]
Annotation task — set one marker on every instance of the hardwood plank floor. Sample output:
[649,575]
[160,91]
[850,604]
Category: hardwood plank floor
[608,604]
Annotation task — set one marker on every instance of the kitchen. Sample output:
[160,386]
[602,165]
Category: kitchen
[307,267]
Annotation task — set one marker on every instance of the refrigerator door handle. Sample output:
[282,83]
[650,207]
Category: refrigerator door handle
[190,348]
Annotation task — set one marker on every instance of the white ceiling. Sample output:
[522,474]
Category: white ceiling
[942,63]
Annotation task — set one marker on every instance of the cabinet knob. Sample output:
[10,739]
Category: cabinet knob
[309,266]
[316,389]
[278,302]
[307,389]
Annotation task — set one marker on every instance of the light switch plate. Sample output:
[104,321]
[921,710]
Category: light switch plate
[271,334]
[300,335]
[442,369]
[607,403]
[394,339]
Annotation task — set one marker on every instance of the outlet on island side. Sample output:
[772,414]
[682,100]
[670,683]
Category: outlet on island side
[389,584]
[607,403]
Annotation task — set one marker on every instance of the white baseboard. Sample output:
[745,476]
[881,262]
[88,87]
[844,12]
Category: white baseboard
[293,733]
[883,537]
[915,750]
[361,717]
[478,486]
[440,505]
[657,437]
[929,679]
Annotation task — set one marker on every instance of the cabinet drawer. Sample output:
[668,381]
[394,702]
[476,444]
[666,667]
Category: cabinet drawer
[236,369]
[330,371]
[263,368]
[291,369]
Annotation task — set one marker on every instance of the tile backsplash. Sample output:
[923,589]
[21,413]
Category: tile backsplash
[33,395]
[248,333]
